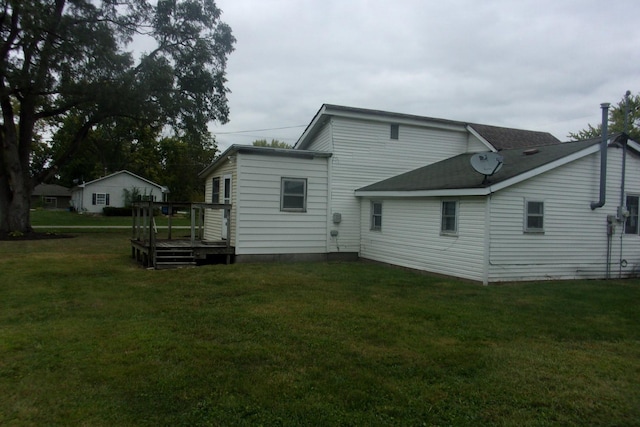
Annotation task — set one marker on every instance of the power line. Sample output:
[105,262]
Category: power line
[258,130]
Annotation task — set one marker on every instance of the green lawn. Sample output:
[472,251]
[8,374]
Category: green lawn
[51,218]
[89,338]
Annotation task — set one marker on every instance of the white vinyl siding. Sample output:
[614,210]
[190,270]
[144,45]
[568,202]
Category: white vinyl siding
[213,229]
[574,243]
[262,227]
[411,237]
[363,154]
[112,186]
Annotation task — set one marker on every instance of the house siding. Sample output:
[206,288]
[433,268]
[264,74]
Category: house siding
[114,186]
[213,217]
[364,154]
[410,236]
[574,243]
[263,227]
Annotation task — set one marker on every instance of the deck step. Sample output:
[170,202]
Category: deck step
[174,258]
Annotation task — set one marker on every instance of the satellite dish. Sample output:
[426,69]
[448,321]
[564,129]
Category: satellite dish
[486,163]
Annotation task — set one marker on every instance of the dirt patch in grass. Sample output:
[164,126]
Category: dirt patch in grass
[34,235]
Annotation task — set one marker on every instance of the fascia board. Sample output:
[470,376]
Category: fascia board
[633,145]
[311,128]
[484,141]
[426,193]
[399,120]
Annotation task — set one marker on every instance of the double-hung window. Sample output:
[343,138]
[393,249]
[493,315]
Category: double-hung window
[100,199]
[376,216]
[293,195]
[449,222]
[631,224]
[533,216]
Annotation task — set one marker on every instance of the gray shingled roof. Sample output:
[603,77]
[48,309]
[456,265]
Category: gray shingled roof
[457,173]
[507,138]
[499,137]
[52,190]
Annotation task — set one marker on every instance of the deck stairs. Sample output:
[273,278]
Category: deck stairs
[175,257]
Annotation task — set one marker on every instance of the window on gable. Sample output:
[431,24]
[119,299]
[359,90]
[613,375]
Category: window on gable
[215,194]
[293,195]
[395,131]
[376,216]
[449,223]
[631,224]
[534,216]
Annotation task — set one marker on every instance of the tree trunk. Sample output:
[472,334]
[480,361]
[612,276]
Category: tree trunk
[15,204]
[15,179]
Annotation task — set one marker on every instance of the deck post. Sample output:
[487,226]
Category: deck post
[228,214]
[193,225]
[152,236]
[170,212]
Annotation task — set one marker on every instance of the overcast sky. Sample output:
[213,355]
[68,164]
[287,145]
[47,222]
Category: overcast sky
[540,64]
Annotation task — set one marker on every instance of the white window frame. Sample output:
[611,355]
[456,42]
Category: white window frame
[376,225]
[284,195]
[634,215]
[444,230]
[101,199]
[215,190]
[394,131]
[527,214]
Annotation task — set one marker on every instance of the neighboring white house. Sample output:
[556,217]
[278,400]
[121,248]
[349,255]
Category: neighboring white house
[94,196]
[399,189]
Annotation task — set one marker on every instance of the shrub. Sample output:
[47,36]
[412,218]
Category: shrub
[113,211]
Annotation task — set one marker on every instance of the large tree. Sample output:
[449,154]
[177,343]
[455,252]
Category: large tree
[73,58]
[617,120]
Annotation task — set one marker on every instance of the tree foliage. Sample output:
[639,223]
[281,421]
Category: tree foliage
[616,123]
[274,143]
[70,62]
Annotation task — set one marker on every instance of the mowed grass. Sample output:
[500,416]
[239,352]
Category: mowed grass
[48,219]
[89,338]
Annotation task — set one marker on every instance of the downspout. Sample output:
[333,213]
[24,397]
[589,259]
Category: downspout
[622,209]
[603,157]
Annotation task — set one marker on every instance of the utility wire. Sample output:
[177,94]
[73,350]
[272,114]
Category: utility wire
[257,130]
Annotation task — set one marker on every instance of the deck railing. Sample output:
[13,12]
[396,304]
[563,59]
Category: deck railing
[145,230]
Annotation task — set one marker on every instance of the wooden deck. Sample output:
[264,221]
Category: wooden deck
[152,252]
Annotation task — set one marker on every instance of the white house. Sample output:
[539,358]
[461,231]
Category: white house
[94,196]
[399,189]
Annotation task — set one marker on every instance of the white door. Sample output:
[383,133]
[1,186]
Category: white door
[226,198]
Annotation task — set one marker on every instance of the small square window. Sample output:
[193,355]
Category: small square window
[534,216]
[449,224]
[293,195]
[395,131]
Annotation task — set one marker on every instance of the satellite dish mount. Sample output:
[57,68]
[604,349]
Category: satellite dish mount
[486,163]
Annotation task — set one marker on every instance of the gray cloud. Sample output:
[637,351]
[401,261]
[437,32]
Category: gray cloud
[543,65]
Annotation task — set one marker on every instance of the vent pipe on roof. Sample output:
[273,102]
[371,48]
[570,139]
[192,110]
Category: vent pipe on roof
[603,157]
